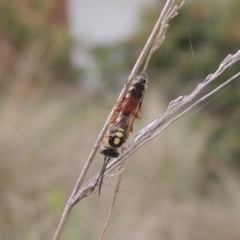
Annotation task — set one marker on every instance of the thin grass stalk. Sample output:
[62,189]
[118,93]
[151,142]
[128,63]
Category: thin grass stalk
[165,120]
[163,19]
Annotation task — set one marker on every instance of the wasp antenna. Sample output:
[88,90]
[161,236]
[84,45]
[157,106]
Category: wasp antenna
[100,178]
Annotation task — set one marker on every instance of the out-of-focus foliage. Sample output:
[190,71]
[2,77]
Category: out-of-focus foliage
[34,33]
[198,39]
[210,28]
[112,64]
[175,187]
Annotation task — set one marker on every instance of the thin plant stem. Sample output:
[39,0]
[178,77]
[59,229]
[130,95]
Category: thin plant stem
[166,119]
[117,185]
[168,12]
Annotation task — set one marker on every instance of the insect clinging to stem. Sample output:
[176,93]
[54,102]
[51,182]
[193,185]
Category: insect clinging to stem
[126,111]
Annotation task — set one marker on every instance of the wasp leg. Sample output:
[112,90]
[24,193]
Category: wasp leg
[122,150]
[139,110]
[118,107]
[112,120]
[120,101]
[131,128]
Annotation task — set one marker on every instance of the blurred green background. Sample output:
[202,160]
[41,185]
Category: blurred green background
[183,185]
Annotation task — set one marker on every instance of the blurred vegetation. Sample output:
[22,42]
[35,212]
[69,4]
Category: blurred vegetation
[198,39]
[33,31]
[183,185]
[209,27]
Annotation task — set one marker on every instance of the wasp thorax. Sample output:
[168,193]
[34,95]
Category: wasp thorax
[138,87]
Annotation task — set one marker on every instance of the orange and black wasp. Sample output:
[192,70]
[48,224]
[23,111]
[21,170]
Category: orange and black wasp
[119,128]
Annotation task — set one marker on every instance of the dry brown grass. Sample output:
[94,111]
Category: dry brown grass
[43,138]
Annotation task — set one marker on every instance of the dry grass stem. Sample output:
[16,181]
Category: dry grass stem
[165,120]
[117,185]
[155,39]
[169,11]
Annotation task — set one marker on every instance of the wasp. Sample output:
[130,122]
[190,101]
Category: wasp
[120,127]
